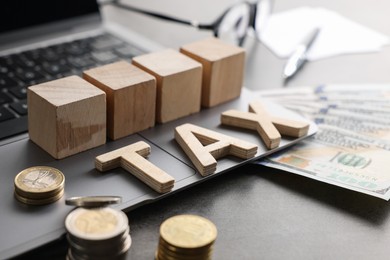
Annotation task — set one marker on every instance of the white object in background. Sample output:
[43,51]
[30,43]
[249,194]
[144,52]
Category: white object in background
[338,35]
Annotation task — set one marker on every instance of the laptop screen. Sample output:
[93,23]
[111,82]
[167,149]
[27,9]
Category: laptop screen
[20,14]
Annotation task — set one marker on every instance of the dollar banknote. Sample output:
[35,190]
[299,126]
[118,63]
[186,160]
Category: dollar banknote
[352,146]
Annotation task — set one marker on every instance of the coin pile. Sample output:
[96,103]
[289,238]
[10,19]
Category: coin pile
[97,233]
[186,237]
[39,185]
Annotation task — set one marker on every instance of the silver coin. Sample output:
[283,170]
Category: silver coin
[98,245]
[93,201]
[96,223]
[115,255]
[97,252]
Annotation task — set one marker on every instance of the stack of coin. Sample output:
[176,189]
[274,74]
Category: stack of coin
[93,201]
[186,237]
[39,185]
[97,233]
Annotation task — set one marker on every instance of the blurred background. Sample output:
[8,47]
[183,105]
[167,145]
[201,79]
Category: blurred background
[263,68]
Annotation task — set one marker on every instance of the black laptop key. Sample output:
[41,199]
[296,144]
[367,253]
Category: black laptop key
[127,51]
[4,69]
[104,56]
[7,60]
[58,48]
[19,107]
[19,92]
[82,62]
[24,61]
[5,114]
[7,82]
[76,48]
[48,54]
[56,68]
[27,63]
[4,99]
[30,76]
[33,55]
[105,42]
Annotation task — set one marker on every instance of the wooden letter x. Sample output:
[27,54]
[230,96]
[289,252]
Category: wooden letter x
[204,146]
[285,126]
[131,158]
[269,127]
[263,125]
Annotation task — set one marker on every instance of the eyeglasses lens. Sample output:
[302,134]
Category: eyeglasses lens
[234,25]
[263,11]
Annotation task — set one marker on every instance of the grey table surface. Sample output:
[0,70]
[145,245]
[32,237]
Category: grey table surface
[261,213]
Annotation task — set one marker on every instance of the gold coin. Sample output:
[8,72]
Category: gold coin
[188,231]
[39,182]
[164,254]
[39,196]
[184,254]
[37,202]
[184,251]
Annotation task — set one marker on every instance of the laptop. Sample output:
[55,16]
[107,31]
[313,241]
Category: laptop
[42,40]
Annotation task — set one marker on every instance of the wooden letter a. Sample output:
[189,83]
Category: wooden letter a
[204,146]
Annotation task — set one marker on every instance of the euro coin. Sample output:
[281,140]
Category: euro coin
[39,201]
[39,185]
[188,231]
[96,224]
[39,182]
[93,201]
[186,237]
[97,233]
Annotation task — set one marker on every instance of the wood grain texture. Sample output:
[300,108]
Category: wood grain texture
[131,97]
[285,126]
[66,116]
[223,69]
[179,83]
[204,146]
[263,125]
[131,158]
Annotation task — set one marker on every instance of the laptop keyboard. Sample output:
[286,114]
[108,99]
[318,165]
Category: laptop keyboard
[20,70]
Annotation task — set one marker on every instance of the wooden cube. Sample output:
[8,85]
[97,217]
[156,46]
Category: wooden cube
[179,83]
[223,69]
[66,116]
[131,97]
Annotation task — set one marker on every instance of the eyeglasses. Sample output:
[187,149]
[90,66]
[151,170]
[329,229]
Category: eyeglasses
[231,26]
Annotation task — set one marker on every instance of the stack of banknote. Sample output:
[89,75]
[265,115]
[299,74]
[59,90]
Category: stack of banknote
[352,146]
